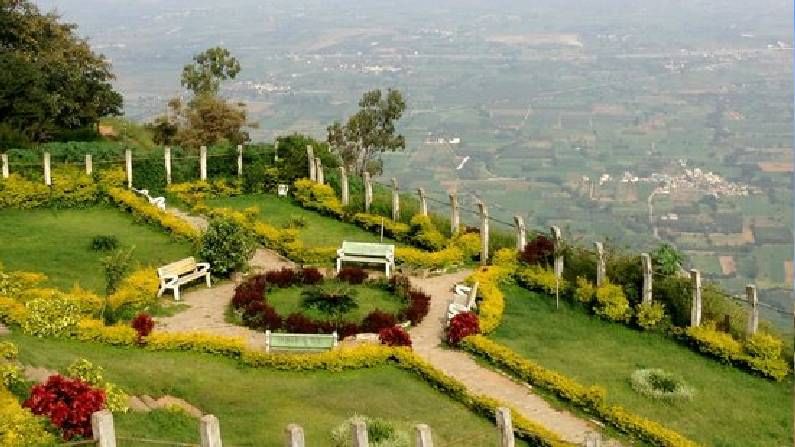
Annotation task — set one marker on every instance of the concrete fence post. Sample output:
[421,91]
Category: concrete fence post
[521,233]
[4,158]
[753,309]
[359,433]
[319,175]
[395,200]
[167,161]
[240,160]
[423,201]
[601,268]
[203,163]
[344,191]
[47,171]
[128,164]
[89,164]
[102,428]
[645,261]
[695,307]
[276,151]
[558,239]
[209,431]
[505,426]
[484,233]
[295,436]
[310,158]
[368,192]
[455,218]
[422,436]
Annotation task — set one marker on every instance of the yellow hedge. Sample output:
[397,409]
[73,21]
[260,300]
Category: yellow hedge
[372,222]
[541,279]
[141,208]
[137,289]
[195,192]
[70,187]
[318,197]
[415,257]
[18,426]
[492,304]
[96,331]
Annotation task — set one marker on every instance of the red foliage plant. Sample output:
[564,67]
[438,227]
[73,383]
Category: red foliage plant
[419,305]
[394,336]
[300,324]
[352,275]
[259,315]
[538,251]
[143,325]
[462,325]
[251,290]
[68,403]
[377,320]
[311,276]
[285,277]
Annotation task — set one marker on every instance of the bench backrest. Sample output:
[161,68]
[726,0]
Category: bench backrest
[368,249]
[302,342]
[177,268]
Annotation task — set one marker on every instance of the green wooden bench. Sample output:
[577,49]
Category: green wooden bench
[275,341]
[367,252]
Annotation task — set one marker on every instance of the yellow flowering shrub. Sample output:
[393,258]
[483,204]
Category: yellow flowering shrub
[541,279]
[138,289]
[195,192]
[611,303]
[492,303]
[196,342]
[372,222]
[318,197]
[96,331]
[585,292]
[425,234]
[12,311]
[469,243]
[55,316]
[415,257]
[70,187]
[13,283]
[505,257]
[141,208]
[714,342]
[18,426]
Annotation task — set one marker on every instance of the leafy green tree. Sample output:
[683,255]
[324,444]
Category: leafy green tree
[667,260]
[205,120]
[293,163]
[370,131]
[208,69]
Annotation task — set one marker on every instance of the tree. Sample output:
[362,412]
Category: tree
[205,120]
[293,163]
[667,260]
[50,80]
[369,131]
[209,68]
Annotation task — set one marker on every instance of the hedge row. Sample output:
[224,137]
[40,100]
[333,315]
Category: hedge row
[142,209]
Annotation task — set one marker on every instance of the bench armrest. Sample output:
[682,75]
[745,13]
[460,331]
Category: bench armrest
[340,252]
[202,266]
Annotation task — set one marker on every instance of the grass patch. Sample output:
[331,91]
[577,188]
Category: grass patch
[255,405]
[58,243]
[731,407]
[288,300]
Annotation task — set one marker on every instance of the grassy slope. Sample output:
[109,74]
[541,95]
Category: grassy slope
[57,243]
[288,300]
[731,407]
[255,405]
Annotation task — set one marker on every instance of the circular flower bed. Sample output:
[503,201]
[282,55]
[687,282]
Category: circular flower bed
[659,384]
[325,304]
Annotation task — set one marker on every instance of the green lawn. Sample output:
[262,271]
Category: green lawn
[57,243]
[255,405]
[731,407]
[369,298]
[318,231]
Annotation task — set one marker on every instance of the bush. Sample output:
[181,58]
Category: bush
[649,315]
[259,315]
[394,336]
[352,275]
[419,306]
[104,242]
[68,403]
[611,302]
[540,250]
[377,320]
[227,246]
[541,279]
[55,316]
[143,325]
[251,290]
[659,384]
[585,292]
[311,276]
[425,234]
[136,291]
[285,277]
[300,324]
[716,343]
[115,398]
[380,433]
[116,267]
[18,427]
[462,325]
[763,346]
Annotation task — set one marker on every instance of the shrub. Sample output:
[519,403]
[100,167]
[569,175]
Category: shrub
[763,346]
[136,291]
[468,244]
[462,325]
[585,292]
[425,234]
[394,336]
[300,324]
[711,341]
[260,315]
[104,242]
[540,250]
[352,275]
[414,257]
[143,325]
[51,317]
[611,302]
[377,320]
[227,246]
[380,433]
[18,427]
[115,398]
[311,276]
[505,257]
[116,266]
[285,277]
[296,222]
[251,290]
[418,308]
[541,279]
[68,403]
[332,299]
[649,315]
[659,384]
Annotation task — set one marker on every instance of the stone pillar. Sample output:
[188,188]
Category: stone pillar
[505,426]
[310,156]
[753,309]
[422,436]
[167,161]
[645,261]
[601,269]
[521,233]
[47,171]
[368,192]
[423,201]
[344,191]
[128,164]
[276,151]
[319,175]
[484,233]
[558,239]
[395,200]
[4,159]
[89,164]
[102,428]
[359,434]
[455,218]
[240,160]
[695,309]
[295,436]
[203,163]
[209,431]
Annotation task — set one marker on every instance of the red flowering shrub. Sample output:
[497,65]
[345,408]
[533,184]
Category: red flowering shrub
[311,276]
[251,290]
[538,251]
[68,403]
[394,336]
[285,277]
[352,275]
[377,320]
[300,324]
[419,305]
[143,325]
[462,325]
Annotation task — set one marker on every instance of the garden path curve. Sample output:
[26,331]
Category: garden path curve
[426,341]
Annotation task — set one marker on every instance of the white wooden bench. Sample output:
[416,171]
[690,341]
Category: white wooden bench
[275,341]
[463,300]
[367,252]
[181,272]
[159,202]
